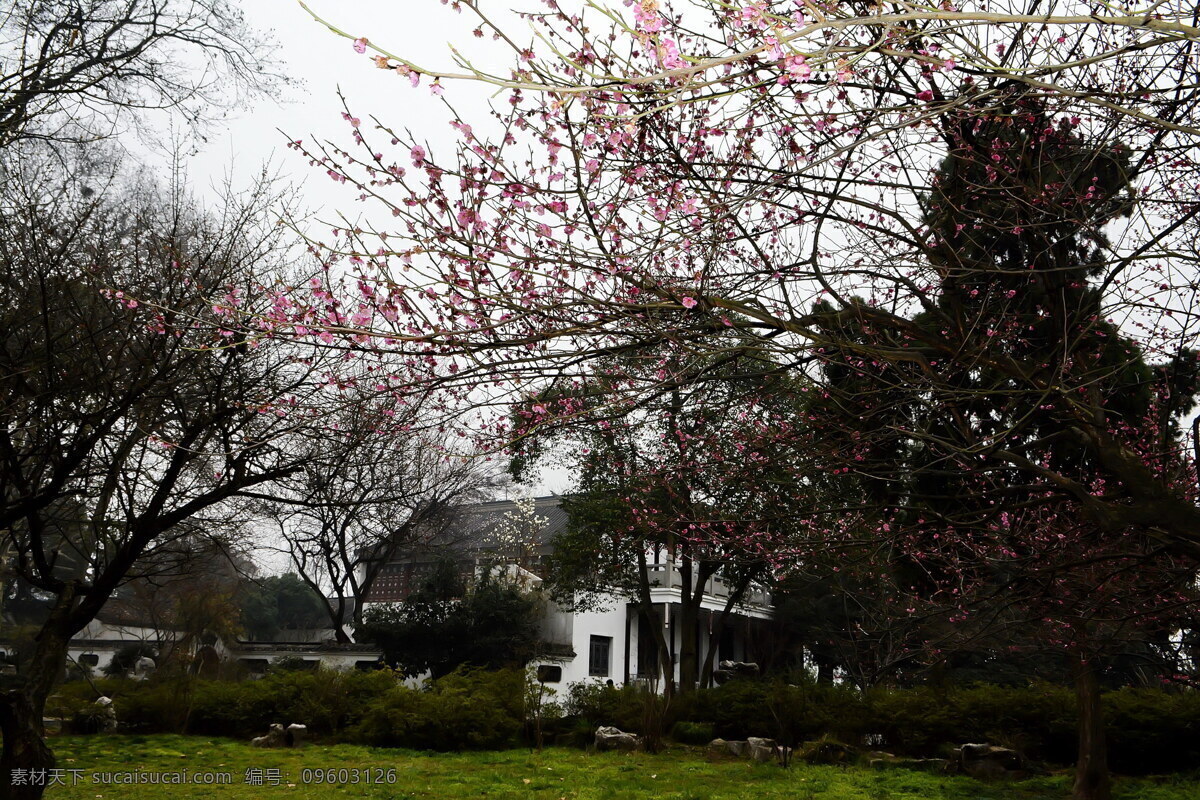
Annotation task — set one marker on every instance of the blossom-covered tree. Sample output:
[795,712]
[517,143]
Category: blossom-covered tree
[795,170]
[972,229]
[711,475]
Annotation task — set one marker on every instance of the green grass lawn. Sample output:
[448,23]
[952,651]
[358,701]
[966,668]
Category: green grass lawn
[554,773]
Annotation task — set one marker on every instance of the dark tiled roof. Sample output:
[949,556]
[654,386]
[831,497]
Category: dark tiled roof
[464,534]
[474,527]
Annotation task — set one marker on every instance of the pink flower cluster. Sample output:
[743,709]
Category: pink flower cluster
[646,16]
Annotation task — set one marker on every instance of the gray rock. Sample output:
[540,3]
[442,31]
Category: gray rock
[738,748]
[108,715]
[719,746]
[733,669]
[761,750]
[610,738]
[989,762]
[275,737]
[295,734]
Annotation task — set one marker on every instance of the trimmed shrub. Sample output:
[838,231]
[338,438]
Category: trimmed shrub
[465,710]
[79,715]
[127,657]
[593,704]
[1152,731]
[327,701]
[736,709]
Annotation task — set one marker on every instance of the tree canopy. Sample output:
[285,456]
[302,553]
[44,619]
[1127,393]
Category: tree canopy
[450,621]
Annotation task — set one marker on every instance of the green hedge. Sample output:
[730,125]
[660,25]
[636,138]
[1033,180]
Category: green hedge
[463,711]
[1150,731]
[327,701]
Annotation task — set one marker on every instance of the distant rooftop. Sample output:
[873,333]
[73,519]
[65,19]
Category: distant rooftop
[465,532]
[481,526]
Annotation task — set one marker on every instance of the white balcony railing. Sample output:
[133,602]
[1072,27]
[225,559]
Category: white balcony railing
[667,576]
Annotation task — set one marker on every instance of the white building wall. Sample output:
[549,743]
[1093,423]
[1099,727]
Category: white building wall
[609,624]
[557,625]
[576,630]
[84,655]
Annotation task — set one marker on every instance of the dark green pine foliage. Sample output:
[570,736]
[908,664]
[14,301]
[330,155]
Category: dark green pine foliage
[1017,218]
[1011,354]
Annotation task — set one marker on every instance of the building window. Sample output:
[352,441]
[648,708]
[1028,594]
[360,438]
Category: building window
[600,653]
[549,673]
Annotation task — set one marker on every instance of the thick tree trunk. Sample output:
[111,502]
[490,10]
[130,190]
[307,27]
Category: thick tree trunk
[21,712]
[689,660]
[824,671]
[666,663]
[26,757]
[694,577]
[714,639]
[710,655]
[1092,779]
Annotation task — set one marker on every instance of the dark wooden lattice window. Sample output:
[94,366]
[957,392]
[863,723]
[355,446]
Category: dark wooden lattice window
[599,657]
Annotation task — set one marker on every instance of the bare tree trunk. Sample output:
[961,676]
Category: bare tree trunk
[689,662]
[689,618]
[714,643]
[21,712]
[706,674]
[824,671]
[665,661]
[24,746]
[1092,779]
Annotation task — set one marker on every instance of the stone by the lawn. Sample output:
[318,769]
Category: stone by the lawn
[107,715]
[989,762]
[610,738]
[275,737]
[761,750]
[295,734]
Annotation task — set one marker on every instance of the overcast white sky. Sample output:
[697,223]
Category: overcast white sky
[421,30]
